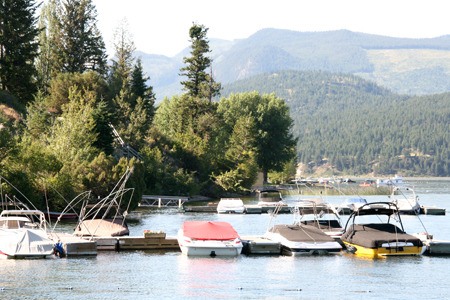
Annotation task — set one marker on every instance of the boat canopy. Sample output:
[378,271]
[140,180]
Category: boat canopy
[208,230]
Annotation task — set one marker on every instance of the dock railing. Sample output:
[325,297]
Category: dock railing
[162,201]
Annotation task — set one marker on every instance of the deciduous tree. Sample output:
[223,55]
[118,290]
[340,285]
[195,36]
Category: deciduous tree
[273,141]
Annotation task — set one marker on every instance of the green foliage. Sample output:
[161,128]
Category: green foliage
[77,45]
[273,139]
[199,83]
[240,158]
[192,130]
[163,176]
[89,84]
[18,48]
[74,132]
[133,100]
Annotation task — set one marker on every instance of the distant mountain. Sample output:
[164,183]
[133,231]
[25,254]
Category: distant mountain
[406,66]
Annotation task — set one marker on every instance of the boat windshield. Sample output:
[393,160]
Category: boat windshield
[16,223]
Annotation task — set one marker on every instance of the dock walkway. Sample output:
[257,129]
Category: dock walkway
[162,201]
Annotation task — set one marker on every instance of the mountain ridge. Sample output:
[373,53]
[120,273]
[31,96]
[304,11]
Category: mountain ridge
[270,50]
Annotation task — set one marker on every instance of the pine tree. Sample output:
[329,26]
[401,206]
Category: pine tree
[48,26]
[18,48]
[199,83]
[132,98]
[77,43]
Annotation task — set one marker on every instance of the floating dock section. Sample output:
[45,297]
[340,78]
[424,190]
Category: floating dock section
[125,243]
[75,246]
[260,246]
[432,210]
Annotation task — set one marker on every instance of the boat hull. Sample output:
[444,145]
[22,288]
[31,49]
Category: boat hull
[382,252]
[24,244]
[308,250]
[303,240]
[230,210]
[210,247]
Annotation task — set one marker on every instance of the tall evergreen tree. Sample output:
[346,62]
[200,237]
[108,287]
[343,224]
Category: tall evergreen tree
[77,44]
[48,26]
[133,99]
[199,82]
[18,48]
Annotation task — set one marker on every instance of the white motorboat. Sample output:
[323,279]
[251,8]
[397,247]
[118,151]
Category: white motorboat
[23,234]
[319,214]
[397,180]
[208,238]
[230,205]
[269,196]
[305,236]
[351,204]
[406,200]
[301,239]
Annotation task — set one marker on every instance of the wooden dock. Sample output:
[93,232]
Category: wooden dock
[432,210]
[75,246]
[126,243]
[210,208]
[437,248]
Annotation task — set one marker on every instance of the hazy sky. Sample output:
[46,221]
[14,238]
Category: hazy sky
[162,26]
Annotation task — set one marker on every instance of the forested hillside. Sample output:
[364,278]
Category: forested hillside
[353,126]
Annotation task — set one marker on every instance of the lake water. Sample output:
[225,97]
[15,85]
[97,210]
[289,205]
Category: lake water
[170,275]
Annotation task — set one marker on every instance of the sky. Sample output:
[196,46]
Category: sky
[162,26]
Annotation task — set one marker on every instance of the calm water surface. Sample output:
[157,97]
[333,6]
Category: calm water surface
[170,275]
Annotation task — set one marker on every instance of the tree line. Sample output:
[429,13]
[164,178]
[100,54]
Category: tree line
[73,122]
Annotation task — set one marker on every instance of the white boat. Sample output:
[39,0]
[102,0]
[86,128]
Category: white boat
[304,237]
[300,239]
[406,200]
[270,197]
[319,214]
[230,205]
[351,204]
[397,180]
[23,234]
[208,238]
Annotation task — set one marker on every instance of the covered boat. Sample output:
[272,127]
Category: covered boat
[300,239]
[305,235]
[106,217]
[230,205]
[23,234]
[208,238]
[376,230]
